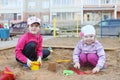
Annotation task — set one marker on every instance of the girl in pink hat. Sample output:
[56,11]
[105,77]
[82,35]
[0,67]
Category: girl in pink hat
[89,50]
[29,46]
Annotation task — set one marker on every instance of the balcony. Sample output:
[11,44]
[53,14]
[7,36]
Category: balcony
[98,7]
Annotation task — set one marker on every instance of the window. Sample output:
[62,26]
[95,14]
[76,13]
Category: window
[45,18]
[15,16]
[118,1]
[107,1]
[59,16]
[54,2]
[11,3]
[62,2]
[5,2]
[19,16]
[88,17]
[63,16]
[70,2]
[69,16]
[31,5]
[11,16]
[45,5]
[106,17]
[19,3]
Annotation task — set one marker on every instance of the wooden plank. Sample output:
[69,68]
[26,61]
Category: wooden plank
[56,46]
[72,47]
[110,49]
[5,48]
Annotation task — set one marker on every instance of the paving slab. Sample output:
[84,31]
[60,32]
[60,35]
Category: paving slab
[12,43]
[8,44]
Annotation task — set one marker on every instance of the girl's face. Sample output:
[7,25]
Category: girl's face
[34,28]
[89,39]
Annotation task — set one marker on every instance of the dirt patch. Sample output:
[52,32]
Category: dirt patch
[112,72]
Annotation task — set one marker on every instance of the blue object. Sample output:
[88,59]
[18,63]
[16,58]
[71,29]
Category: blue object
[49,48]
[110,27]
[25,66]
[4,33]
[101,29]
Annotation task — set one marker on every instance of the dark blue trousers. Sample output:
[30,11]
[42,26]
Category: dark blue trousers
[30,52]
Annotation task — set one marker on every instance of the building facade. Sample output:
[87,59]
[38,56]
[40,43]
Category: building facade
[39,8]
[65,11]
[94,11]
[11,10]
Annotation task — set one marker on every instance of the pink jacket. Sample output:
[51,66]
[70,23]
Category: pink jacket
[24,39]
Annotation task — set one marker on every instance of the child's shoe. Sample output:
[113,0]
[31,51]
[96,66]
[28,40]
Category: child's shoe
[25,66]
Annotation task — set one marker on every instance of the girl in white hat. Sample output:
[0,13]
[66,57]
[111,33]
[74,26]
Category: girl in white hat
[89,50]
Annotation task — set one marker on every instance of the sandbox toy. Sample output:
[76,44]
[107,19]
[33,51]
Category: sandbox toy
[35,65]
[7,74]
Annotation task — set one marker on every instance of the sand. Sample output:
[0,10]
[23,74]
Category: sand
[112,71]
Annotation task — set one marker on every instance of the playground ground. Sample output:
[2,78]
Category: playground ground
[63,49]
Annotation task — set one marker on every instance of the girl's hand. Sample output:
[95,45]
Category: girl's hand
[77,65]
[29,62]
[96,69]
[39,60]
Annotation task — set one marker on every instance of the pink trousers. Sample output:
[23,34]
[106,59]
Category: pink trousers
[90,58]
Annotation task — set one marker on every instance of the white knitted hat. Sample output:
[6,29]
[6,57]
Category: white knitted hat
[32,20]
[88,29]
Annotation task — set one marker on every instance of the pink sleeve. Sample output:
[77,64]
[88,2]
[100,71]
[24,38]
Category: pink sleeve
[39,47]
[18,50]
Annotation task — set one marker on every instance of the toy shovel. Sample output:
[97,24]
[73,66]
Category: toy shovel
[59,61]
[77,71]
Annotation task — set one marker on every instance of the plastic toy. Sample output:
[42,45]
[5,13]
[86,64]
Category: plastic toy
[59,61]
[67,72]
[50,49]
[7,74]
[35,65]
[52,67]
[77,71]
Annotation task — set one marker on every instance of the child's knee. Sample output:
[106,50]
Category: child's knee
[46,53]
[92,57]
[32,44]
